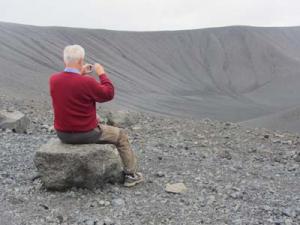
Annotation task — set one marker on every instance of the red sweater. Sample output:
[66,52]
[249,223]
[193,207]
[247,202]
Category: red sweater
[74,98]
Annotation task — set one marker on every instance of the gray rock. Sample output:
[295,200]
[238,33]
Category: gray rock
[118,202]
[297,157]
[290,212]
[90,222]
[176,188]
[225,154]
[108,221]
[14,120]
[120,118]
[62,166]
[160,174]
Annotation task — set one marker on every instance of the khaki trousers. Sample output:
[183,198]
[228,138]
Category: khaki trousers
[104,134]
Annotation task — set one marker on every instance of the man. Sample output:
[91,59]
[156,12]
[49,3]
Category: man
[74,95]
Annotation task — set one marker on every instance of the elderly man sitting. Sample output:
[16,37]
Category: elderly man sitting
[74,95]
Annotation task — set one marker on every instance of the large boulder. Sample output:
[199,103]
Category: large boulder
[14,120]
[120,118]
[62,166]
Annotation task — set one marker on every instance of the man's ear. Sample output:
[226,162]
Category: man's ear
[80,62]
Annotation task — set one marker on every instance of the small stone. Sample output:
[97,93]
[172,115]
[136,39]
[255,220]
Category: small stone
[225,154]
[44,206]
[289,212]
[93,204]
[266,208]
[45,126]
[138,193]
[279,135]
[108,221]
[292,168]
[90,222]
[297,157]
[176,188]
[102,203]
[136,128]
[51,129]
[160,174]
[288,222]
[118,202]
[61,218]
[236,195]
[288,142]
[278,222]
[275,141]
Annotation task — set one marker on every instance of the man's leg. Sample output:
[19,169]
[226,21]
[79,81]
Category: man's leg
[118,137]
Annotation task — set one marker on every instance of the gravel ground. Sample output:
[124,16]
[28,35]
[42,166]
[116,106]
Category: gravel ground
[234,175]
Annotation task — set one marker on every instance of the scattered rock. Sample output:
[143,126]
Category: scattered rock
[102,203]
[290,212]
[160,174]
[225,154]
[90,222]
[117,202]
[297,157]
[48,128]
[62,166]
[120,118]
[14,120]
[176,188]
[108,221]
[44,206]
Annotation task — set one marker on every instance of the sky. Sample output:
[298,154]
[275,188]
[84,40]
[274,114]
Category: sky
[149,15]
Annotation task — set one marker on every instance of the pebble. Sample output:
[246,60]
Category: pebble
[117,202]
[160,174]
[290,212]
[225,154]
[176,188]
[297,157]
[108,221]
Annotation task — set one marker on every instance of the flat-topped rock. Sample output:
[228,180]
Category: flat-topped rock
[14,120]
[119,118]
[62,166]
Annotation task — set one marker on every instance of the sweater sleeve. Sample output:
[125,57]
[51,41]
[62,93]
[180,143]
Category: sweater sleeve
[102,91]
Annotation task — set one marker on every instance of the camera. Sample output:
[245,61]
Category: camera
[89,68]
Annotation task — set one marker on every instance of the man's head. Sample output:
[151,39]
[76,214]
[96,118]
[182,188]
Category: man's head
[74,56]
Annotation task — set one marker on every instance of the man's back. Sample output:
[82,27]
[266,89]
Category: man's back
[74,98]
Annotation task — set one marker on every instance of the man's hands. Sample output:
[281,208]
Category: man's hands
[99,69]
[88,68]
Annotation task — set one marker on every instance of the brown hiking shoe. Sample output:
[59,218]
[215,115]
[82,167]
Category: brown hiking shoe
[132,180]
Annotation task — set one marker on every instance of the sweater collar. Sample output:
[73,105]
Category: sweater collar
[71,70]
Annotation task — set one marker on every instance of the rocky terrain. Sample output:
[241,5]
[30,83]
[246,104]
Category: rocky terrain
[233,175]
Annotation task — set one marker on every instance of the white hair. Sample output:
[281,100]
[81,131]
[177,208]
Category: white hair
[73,53]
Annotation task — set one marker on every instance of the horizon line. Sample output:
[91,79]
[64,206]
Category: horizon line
[144,31]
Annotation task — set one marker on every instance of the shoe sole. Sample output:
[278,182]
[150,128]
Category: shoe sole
[134,183]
